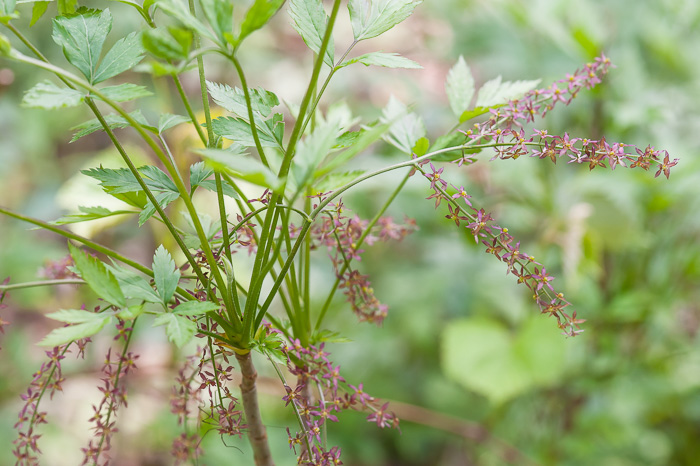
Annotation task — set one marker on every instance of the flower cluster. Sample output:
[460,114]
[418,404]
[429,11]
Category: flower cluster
[113,396]
[503,246]
[48,378]
[343,236]
[504,129]
[314,370]
[58,269]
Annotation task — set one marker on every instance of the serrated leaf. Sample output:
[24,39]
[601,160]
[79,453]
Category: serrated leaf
[257,16]
[90,213]
[180,330]
[241,166]
[98,278]
[228,190]
[171,44]
[124,55]
[168,120]
[220,16]
[38,10]
[114,121]
[75,316]
[309,19]
[495,92]
[233,100]
[178,10]
[459,87]
[163,199]
[82,36]
[239,131]
[65,335]
[134,285]
[406,127]
[49,96]
[125,92]
[165,274]
[372,19]
[387,60]
[195,308]
[198,173]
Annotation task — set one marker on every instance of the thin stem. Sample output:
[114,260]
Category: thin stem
[20,286]
[249,106]
[188,108]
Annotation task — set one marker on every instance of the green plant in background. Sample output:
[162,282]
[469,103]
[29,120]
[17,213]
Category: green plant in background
[298,164]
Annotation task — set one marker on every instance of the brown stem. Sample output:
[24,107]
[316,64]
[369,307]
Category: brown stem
[256,429]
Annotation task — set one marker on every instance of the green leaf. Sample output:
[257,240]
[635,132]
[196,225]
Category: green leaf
[90,213]
[163,199]
[484,356]
[460,87]
[370,20]
[82,36]
[239,131]
[311,151]
[335,180]
[220,16]
[180,329]
[195,308]
[125,54]
[125,92]
[49,96]
[309,19]
[241,166]
[178,10]
[7,11]
[198,173]
[173,44]
[225,186]
[257,16]
[473,113]
[495,92]
[233,100]
[406,127]
[98,278]
[131,312]
[114,121]
[387,60]
[421,147]
[168,120]
[65,335]
[38,10]
[366,138]
[134,285]
[75,316]
[165,274]
[67,7]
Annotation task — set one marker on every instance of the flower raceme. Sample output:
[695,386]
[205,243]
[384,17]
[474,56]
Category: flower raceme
[504,132]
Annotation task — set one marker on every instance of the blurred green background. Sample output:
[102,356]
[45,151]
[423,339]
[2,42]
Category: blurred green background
[478,376]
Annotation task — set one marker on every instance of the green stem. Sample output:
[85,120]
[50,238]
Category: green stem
[20,286]
[249,106]
[188,108]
